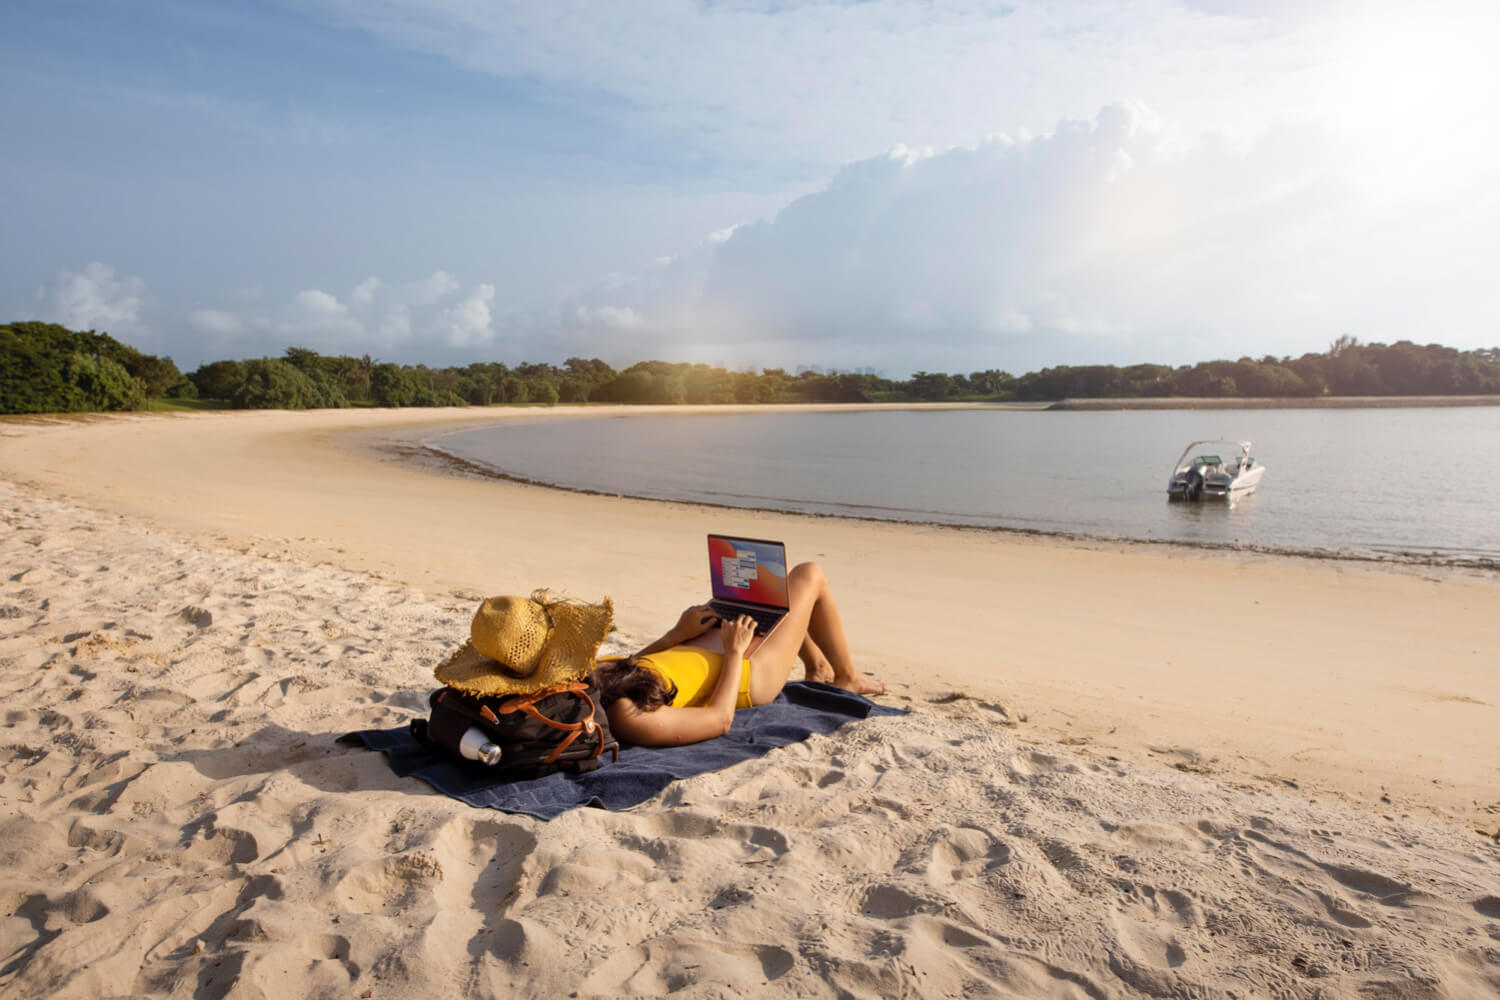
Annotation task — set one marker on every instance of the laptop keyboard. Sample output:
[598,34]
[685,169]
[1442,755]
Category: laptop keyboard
[764,619]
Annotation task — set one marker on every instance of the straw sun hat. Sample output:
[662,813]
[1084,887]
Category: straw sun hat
[518,645]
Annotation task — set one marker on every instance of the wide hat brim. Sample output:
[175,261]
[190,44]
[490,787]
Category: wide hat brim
[568,655]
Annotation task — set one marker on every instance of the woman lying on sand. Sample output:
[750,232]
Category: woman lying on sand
[685,686]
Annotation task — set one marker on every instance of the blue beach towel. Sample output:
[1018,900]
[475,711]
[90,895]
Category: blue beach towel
[802,708]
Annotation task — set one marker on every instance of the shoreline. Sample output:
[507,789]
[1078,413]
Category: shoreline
[427,454]
[1271,402]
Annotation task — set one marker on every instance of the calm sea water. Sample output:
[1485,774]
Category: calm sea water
[1415,484]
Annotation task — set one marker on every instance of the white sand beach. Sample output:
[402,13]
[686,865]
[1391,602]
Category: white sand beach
[194,606]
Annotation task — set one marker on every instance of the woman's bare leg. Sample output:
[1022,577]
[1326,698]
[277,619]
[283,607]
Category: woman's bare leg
[812,615]
[816,664]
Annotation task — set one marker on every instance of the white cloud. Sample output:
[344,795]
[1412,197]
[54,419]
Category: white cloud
[364,292]
[314,304]
[467,324]
[94,300]
[1009,321]
[436,286]
[396,325]
[317,319]
[378,317]
[1115,240]
[219,324]
[617,317]
[1110,236]
[720,235]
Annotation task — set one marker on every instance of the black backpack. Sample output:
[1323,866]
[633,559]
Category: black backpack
[557,729]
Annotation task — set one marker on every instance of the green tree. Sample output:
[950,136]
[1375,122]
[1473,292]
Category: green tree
[630,386]
[273,384]
[183,388]
[1207,379]
[353,376]
[592,370]
[1312,369]
[573,390]
[476,390]
[1146,380]
[852,388]
[46,368]
[668,388]
[321,372]
[770,386]
[513,390]
[104,384]
[390,385]
[703,384]
[157,375]
[219,379]
[990,382]
[933,385]
[32,361]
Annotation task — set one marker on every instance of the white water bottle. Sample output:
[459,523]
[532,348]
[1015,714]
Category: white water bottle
[477,746]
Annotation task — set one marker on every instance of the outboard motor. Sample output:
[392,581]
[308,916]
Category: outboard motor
[1194,488]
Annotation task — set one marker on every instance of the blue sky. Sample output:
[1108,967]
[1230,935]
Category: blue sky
[895,183]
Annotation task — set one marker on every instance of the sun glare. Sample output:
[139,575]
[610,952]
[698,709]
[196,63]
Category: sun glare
[1420,88]
[1388,68]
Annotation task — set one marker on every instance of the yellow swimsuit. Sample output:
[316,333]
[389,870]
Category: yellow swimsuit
[695,671]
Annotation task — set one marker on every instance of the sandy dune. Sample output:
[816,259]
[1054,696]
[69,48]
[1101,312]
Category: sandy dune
[192,609]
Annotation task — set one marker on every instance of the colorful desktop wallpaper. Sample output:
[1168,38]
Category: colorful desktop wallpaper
[748,571]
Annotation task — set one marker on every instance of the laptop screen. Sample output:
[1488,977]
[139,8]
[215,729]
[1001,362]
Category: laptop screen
[746,569]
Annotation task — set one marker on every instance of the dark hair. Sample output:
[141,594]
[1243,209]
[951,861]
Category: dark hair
[630,678]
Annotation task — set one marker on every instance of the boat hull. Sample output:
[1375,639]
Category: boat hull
[1241,486]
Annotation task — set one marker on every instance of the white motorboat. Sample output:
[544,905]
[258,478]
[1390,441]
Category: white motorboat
[1215,470]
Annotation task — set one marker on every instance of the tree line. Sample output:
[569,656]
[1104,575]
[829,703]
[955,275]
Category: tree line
[45,368]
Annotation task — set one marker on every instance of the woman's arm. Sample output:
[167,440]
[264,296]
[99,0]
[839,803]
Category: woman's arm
[668,726]
[693,623]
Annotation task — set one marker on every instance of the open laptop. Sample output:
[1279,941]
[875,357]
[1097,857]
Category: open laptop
[748,576]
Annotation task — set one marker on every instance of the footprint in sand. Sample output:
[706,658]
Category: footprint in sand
[615,879]
[156,704]
[1340,911]
[1163,838]
[964,853]
[82,906]
[1184,759]
[1063,857]
[101,839]
[669,964]
[1030,763]
[1145,955]
[212,846]
[891,902]
[655,834]
[1387,890]
[500,852]
[832,777]
[390,885]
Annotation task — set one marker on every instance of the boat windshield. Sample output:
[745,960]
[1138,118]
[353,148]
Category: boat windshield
[1228,454]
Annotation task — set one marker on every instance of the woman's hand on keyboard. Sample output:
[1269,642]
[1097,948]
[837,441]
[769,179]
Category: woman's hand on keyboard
[737,635]
[695,621]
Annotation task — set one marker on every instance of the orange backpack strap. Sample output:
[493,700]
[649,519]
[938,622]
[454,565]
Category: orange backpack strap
[526,703]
